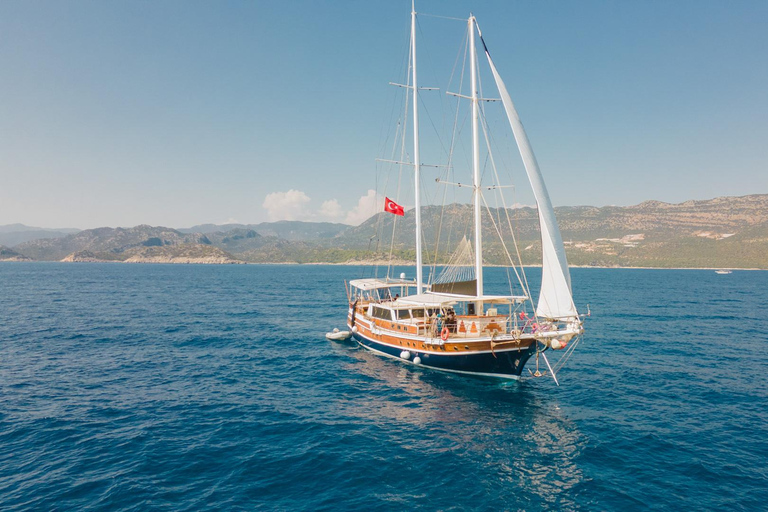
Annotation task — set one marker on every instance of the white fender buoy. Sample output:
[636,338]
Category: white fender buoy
[556,344]
[354,329]
[417,360]
[405,354]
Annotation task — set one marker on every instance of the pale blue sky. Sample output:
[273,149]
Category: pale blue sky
[177,113]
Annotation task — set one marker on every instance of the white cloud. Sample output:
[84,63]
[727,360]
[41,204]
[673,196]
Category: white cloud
[331,210]
[367,206]
[286,205]
[295,205]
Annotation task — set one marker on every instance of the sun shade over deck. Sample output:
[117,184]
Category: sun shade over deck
[375,283]
[446,299]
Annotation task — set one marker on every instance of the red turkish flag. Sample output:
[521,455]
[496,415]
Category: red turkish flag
[392,207]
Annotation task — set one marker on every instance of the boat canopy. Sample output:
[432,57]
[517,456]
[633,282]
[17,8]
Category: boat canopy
[375,283]
[446,299]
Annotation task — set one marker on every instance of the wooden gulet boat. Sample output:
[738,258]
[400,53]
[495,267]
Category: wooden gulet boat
[451,324]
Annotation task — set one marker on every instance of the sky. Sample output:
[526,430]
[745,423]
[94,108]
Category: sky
[176,113]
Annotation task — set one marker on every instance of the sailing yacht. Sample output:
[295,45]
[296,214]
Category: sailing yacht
[448,322]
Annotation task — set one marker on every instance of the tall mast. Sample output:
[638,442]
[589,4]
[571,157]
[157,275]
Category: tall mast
[476,199]
[416,156]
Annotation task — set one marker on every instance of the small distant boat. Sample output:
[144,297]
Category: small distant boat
[722,271]
[337,335]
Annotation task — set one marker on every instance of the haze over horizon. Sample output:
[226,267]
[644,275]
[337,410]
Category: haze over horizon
[184,113]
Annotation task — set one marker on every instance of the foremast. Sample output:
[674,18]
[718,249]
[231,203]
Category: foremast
[476,196]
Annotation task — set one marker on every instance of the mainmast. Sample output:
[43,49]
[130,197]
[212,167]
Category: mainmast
[416,156]
[476,198]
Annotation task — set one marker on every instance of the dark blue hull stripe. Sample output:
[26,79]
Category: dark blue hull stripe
[504,364]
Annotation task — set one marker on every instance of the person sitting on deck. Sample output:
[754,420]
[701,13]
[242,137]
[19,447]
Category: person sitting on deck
[432,324]
[450,321]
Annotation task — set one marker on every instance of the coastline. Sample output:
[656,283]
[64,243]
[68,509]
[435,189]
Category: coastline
[190,261]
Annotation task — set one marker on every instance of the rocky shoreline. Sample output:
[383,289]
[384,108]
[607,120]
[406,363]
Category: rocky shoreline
[180,254]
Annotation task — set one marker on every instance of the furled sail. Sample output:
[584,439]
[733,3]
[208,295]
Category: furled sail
[458,275]
[555,299]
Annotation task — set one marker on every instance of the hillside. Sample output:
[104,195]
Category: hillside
[107,240]
[7,254]
[14,234]
[730,232]
[285,229]
[721,232]
[183,253]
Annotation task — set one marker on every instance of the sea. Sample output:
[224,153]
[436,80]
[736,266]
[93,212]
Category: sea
[134,387]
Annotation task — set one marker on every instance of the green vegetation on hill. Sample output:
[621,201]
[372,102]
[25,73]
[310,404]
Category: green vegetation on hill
[7,254]
[728,232]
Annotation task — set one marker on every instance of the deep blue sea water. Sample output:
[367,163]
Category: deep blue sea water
[192,387]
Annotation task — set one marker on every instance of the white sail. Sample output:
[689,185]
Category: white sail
[555,299]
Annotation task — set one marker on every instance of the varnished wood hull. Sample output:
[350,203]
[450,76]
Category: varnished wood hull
[505,364]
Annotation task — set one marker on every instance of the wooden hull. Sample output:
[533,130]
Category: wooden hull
[479,357]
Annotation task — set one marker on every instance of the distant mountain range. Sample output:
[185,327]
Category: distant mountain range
[14,234]
[285,229]
[727,232]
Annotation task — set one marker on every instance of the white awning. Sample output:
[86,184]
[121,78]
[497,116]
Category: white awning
[446,299]
[374,283]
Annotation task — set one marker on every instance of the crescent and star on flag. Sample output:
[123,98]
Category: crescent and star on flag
[392,207]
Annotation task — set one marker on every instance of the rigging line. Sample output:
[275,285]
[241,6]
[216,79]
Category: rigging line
[399,132]
[381,218]
[527,287]
[430,67]
[491,141]
[464,45]
[388,125]
[509,275]
[390,266]
[405,64]
[501,195]
[442,17]
[452,148]
[448,173]
[458,128]
[524,281]
[379,226]
[432,122]
[519,256]
[498,231]
[439,229]
[567,355]
[399,177]
[423,235]
[564,357]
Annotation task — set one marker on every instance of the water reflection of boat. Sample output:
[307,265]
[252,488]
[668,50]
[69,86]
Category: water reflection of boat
[512,427]
[449,322]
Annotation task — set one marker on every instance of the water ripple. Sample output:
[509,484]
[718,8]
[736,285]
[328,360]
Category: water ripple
[143,387]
